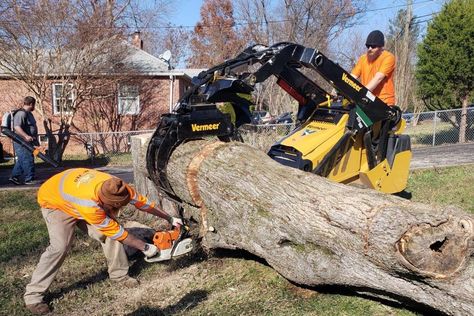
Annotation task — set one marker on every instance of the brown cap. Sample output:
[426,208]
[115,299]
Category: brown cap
[114,192]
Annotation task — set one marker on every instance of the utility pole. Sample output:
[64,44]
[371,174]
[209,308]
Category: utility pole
[404,73]
[407,52]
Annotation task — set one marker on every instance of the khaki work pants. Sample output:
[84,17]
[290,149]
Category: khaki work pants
[61,231]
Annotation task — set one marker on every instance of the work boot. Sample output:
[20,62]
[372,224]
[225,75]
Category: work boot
[127,281]
[15,181]
[38,308]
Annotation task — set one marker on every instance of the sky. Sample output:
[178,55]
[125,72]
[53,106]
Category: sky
[187,12]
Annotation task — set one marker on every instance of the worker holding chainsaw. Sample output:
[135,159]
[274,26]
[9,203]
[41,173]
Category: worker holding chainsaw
[90,200]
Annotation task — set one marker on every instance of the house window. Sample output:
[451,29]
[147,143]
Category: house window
[63,98]
[128,100]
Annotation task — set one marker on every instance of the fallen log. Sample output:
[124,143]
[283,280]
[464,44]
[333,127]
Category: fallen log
[317,232]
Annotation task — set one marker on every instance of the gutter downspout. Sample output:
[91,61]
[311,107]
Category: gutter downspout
[171,93]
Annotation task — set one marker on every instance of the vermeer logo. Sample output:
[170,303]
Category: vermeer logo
[204,127]
[351,82]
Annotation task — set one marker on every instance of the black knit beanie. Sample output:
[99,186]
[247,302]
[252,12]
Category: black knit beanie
[375,38]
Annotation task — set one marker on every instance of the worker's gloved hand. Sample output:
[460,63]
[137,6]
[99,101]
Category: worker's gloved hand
[175,221]
[150,250]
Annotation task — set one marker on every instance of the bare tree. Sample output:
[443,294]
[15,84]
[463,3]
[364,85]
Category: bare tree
[402,40]
[72,44]
[214,38]
[256,17]
[104,115]
[313,23]
[349,49]
[176,40]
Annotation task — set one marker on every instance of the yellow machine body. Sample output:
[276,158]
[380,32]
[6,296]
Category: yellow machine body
[313,141]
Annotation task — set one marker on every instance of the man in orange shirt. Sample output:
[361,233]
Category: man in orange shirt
[375,69]
[90,200]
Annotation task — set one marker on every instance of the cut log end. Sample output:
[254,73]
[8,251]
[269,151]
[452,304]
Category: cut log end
[437,251]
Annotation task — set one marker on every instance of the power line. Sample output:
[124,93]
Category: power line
[424,15]
[206,26]
[419,22]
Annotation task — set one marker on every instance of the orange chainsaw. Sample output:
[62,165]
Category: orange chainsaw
[171,243]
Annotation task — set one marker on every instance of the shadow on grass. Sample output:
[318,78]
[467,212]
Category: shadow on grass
[383,297]
[186,303]
[82,284]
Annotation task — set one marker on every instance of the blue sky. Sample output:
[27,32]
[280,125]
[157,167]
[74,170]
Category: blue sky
[187,12]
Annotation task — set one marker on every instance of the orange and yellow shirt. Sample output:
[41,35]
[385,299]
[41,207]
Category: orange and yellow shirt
[75,192]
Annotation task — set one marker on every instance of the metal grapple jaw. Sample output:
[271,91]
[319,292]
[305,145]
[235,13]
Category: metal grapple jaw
[202,120]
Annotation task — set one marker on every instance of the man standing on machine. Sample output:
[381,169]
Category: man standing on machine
[375,69]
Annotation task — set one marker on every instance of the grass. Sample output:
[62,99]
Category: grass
[444,186]
[226,283]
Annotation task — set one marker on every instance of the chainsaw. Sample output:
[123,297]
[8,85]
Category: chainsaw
[171,243]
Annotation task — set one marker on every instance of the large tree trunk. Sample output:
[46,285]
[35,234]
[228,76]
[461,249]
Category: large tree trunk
[316,232]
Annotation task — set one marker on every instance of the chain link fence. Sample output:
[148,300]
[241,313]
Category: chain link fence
[440,127]
[106,145]
[425,129]
[91,148]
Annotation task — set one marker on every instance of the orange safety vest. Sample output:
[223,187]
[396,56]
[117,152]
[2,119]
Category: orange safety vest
[75,192]
[385,64]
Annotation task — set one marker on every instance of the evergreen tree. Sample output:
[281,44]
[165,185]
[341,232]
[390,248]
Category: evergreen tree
[445,69]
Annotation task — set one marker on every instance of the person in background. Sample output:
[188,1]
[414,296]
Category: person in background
[90,200]
[24,124]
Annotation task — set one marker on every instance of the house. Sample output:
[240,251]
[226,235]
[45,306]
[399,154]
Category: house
[129,97]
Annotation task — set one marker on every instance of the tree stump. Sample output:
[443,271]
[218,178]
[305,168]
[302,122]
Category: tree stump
[317,232]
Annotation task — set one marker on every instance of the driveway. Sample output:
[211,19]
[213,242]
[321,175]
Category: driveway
[44,173]
[442,156]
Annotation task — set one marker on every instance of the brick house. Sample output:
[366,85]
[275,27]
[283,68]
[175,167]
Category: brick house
[135,102]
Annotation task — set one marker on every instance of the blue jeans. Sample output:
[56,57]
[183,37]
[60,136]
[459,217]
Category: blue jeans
[25,164]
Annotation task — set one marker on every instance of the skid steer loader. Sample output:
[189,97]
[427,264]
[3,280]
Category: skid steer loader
[358,138]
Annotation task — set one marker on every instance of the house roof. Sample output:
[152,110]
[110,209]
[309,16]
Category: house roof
[190,72]
[144,63]
[134,60]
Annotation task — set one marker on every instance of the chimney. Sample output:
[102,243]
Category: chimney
[137,41]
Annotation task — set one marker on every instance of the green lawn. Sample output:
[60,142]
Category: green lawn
[444,186]
[227,283]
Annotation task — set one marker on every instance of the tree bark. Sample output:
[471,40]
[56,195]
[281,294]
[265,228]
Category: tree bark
[316,232]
